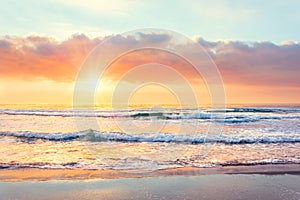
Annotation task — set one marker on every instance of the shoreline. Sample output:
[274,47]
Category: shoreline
[37,174]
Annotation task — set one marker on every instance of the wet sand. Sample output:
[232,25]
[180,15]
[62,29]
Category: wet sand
[36,174]
[206,187]
[274,182]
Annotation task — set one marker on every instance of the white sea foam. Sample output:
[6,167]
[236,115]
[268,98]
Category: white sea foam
[234,115]
[94,136]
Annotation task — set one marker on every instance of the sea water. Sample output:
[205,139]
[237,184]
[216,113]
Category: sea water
[143,139]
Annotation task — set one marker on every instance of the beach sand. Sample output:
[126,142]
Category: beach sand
[37,174]
[239,182]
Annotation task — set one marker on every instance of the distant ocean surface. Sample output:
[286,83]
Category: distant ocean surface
[148,139]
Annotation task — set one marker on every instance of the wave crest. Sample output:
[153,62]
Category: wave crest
[95,136]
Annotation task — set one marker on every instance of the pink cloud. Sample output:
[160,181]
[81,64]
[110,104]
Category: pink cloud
[37,57]
[257,63]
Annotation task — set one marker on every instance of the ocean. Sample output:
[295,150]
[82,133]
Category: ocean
[147,139]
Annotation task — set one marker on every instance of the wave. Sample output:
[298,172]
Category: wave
[86,113]
[148,164]
[208,115]
[95,136]
[69,165]
[67,113]
[228,118]
[272,161]
[256,110]
[262,162]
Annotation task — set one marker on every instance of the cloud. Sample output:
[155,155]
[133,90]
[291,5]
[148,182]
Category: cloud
[242,63]
[259,63]
[36,57]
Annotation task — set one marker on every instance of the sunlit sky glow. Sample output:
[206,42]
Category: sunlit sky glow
[255,45]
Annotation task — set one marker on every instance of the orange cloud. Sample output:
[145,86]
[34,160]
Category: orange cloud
[256,63]
[255,71]
[36,57]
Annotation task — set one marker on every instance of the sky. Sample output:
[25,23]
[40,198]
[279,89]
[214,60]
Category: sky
[247,20]
[255,45]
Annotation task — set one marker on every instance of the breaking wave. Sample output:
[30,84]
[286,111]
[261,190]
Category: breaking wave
[95,136]
[234,115]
